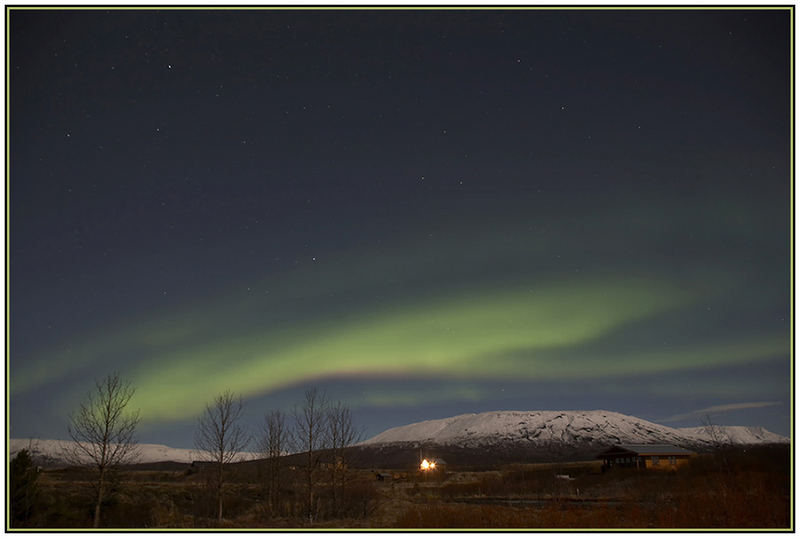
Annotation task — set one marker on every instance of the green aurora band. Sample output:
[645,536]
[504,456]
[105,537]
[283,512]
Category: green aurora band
[533,325]
[477,336]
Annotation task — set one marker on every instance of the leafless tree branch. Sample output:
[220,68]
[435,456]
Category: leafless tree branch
[272,443]
[103,432]
[309,437]
[340,434]
[220,437]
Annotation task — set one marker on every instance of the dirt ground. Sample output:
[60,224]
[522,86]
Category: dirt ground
[742,490]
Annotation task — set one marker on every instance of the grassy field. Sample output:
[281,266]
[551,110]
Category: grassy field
[731,489]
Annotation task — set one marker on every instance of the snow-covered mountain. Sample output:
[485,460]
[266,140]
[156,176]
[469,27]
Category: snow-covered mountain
[734,435]
[568,432]
[566,428]
[52,451]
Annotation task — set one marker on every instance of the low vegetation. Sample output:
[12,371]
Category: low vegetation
[735,488]
[327,482]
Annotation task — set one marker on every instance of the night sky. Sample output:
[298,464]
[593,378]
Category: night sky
[424,212]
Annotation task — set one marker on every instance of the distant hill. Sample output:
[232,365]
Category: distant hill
[482,439]
[49,452]
[544,436]
[564,428]
[735,435]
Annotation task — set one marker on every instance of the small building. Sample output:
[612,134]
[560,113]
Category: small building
[664,457]
[432,464]
[198,466]
[384,477]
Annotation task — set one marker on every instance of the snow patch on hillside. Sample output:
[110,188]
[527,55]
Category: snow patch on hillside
[53,450]
[541,428]
[734,435]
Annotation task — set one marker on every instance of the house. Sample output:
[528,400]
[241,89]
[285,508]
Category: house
[664,457]
[432,464]
[200,465]
[440,464]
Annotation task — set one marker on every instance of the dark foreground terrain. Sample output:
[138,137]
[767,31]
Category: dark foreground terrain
[729,489]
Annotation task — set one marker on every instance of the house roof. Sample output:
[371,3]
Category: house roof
[647,450]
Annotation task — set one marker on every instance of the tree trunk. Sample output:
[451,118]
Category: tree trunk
[273,487]
[100,486]
[333,489]
[310,478]
[219,494]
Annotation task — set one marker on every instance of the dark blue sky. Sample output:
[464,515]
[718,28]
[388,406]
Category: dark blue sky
[425,212]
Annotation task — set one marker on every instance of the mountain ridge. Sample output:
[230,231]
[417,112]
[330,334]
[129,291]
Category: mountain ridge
[474,437]
[570,428]
[52,451]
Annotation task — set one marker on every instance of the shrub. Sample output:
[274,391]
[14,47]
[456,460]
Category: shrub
[23,490]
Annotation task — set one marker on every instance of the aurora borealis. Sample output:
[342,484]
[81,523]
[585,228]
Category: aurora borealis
[426,213]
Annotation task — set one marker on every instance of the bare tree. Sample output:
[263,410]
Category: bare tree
[220,437]
[271,444]
[340,434]
[103,432]
[718,440]
[309,438]
[713,431]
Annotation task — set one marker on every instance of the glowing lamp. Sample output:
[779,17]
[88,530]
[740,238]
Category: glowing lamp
[427,465]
